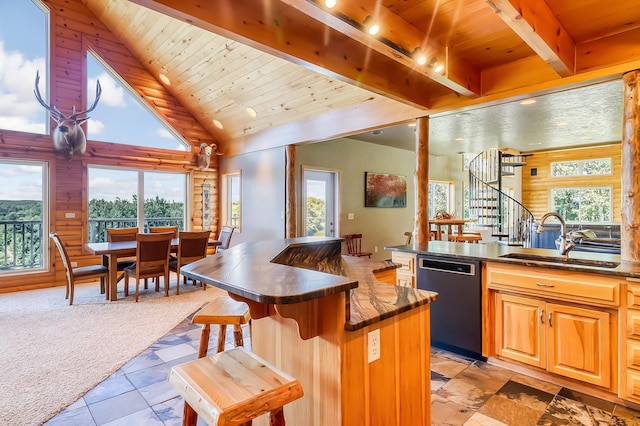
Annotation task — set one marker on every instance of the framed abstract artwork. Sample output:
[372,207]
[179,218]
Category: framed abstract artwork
[385,190]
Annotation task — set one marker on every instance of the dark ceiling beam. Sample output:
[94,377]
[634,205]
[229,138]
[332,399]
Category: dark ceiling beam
[538,26]
[397,39]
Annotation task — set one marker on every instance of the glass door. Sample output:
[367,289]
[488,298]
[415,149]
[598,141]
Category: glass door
[320,206]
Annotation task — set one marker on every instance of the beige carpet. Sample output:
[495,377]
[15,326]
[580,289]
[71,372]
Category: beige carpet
[52,353]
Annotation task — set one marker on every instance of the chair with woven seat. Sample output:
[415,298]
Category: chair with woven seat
[225,237]
[192,246]
[122,234]
[152,260]
[354,246]
[79,273]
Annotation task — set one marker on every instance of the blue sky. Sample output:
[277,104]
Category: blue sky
[118,117]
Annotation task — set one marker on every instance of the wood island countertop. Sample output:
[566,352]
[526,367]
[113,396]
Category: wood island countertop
[296,270]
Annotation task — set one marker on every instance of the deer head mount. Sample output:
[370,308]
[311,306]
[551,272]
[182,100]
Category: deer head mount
[204,156]
[68,137]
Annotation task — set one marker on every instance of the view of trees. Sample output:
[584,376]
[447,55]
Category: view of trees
[20,233]
[316,217]
[583,204]
[121,208]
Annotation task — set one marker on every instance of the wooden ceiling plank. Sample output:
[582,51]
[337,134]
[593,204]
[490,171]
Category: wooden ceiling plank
[283,31]
[537,25]
[616,49]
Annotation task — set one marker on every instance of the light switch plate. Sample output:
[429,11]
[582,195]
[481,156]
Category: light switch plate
[70,215]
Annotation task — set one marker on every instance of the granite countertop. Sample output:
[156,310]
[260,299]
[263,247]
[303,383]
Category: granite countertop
[547,258]
[300,269]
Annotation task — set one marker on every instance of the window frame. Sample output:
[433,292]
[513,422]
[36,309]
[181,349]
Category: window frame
[46,205]
[140,193]
[450,195]
[580,170]
[580,189]
[226,199]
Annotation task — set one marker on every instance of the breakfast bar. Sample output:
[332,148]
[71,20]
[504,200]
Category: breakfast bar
[359,347]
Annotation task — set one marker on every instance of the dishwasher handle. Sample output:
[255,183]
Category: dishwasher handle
[453,267]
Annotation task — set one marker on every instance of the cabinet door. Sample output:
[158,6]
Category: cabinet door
[579,343]
[520,329]
[405,280]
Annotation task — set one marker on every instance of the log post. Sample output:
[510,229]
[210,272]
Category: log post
[630,215]
[290,192]
[421,180]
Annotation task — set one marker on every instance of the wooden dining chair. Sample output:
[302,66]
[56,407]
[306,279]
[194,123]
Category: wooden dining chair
[192,246]
[152,260]
[354,245]
[409,236]
[79,273]
[122,234]
[157,229]
[225,237]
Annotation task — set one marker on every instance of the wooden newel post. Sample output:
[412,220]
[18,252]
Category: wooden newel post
[630,214]
[422,180]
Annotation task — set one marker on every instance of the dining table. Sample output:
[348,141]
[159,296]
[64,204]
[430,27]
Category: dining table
[111,251]
[450,223]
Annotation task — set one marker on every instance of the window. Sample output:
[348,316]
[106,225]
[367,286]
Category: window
[23,216]
[121,116]
[583,205]
[598,166]
[232,199]
[440,197]
[23,51]
[121,198]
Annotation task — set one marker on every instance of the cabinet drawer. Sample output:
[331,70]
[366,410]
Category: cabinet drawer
[633,354]
[557,283]
[405,280]
[407,262]
[633,324]
[633,385]
[633,295]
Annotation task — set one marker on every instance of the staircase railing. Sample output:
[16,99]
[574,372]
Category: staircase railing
[490,206]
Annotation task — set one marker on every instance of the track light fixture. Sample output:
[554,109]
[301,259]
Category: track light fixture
[419,56]
[435,65]
[371,26]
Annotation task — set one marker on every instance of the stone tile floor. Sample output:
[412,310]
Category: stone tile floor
[464,392]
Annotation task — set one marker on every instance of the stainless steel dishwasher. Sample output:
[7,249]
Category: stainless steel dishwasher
[456,317]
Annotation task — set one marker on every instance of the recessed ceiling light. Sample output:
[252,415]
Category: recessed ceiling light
[411,124]
[252,112]
[218,124]
[562,123]
[376,132]
[535,143]
[330,3]
[528,102]
[163,78]
[459,139]
[584,138]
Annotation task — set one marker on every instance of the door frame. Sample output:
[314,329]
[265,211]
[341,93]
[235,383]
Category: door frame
[336,198]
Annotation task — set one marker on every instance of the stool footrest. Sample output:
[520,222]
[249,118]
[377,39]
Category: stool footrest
[233,387]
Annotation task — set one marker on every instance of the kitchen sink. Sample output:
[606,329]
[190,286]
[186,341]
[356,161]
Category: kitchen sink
[562,260]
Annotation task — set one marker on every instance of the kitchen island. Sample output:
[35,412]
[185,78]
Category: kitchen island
[360,348]
[572,320]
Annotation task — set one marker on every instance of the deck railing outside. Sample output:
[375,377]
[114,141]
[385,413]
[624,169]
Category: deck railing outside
[21,241]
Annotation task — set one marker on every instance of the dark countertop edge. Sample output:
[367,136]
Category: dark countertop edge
[271,299]
[353,326]
[625,269]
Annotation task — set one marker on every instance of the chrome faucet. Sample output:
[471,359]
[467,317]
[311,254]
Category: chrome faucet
[564,247]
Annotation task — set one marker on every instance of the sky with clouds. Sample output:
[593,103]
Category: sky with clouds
[118,117]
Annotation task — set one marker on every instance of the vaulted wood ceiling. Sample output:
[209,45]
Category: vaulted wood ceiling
[312,73]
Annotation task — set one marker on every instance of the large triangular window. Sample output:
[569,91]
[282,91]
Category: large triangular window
[121,116]
[24,45]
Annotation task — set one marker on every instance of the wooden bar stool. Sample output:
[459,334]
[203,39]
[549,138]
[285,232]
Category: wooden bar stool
[466,238]
[233,387]
[223,311]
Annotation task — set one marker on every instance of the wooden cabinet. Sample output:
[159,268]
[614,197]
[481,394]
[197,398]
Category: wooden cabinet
[406,273]
[539,325]
[630,347]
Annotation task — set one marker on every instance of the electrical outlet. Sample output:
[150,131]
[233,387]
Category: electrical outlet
[74,264]
[375,249]
[373,346]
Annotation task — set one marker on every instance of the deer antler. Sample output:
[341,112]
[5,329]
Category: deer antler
[55,113]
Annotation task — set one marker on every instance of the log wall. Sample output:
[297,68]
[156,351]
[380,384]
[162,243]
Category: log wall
[536,190]
[74,29]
